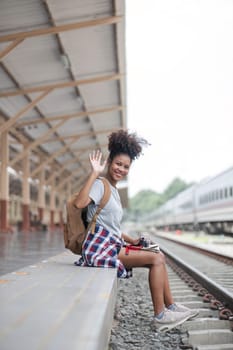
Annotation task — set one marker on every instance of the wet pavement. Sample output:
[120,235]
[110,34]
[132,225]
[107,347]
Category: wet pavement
[20,249]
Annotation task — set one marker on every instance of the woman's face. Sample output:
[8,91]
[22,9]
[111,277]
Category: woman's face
[119,167]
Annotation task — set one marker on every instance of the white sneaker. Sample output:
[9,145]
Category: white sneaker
[170,320]
[182,308]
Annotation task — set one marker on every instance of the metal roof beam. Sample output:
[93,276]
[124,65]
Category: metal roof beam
[42,139]
[64,165]
[7,125]
[67,179]
[9,48]
[68,116]
[62,85]
[61,171]
[88,133]
[37,142]
[53,156]
[60,28]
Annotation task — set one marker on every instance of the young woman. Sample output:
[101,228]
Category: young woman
[106,248]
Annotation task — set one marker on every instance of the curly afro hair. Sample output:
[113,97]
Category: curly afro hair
[122,142]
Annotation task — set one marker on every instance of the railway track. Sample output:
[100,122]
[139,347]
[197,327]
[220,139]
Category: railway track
[202,280]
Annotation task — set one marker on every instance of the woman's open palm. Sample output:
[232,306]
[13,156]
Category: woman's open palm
[95,159]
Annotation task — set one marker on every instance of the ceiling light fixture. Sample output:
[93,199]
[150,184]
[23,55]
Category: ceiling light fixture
[66,61]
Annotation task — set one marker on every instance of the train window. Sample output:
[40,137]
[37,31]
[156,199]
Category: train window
[213,196]
[216,195]
[226,192]
[231,192]
[221,193]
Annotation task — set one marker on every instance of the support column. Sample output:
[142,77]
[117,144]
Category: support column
[59,210]
[41,197]
[26,193]
[61,222]
[52,204]
[4,183]
[63,200]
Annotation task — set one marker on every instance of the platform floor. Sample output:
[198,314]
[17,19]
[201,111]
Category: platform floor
[54,305]
[20,249]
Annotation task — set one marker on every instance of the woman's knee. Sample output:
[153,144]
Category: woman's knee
[158,259]
[162,256]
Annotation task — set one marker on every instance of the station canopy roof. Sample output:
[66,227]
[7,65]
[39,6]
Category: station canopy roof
[62,82]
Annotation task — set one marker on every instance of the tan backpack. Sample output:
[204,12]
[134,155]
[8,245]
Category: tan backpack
[75,229]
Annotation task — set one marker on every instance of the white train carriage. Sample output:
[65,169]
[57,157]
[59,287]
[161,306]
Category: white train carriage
[214,203]
[207,205]
[178,212]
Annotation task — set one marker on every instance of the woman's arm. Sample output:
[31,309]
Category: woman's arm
[83,199]
[130,240]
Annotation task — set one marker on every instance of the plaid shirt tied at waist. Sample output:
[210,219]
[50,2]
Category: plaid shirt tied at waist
[101,249]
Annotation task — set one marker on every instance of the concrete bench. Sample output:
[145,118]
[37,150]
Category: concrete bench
[55,305]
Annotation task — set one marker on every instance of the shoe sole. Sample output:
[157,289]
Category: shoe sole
[193,315]
[168,327]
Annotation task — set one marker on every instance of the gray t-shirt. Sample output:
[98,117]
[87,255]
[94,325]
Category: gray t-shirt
[111,215]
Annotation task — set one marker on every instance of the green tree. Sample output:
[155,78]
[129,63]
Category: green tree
[146,201]
[177,185]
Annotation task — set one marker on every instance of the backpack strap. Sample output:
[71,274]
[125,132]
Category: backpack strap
[107,192]
[103,202]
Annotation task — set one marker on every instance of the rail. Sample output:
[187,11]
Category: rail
[217,290]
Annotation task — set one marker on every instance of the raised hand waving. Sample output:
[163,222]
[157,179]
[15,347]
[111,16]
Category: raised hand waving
[95,160]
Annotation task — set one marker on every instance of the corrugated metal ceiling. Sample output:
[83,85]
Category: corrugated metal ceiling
[62,80]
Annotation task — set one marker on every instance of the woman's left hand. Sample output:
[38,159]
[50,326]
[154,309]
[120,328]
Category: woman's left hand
[135,241]
[130,240]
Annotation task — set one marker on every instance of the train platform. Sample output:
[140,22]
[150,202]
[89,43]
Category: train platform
[218,243]
[53,304]
[19,249]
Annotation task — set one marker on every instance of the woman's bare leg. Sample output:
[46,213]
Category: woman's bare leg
[157,274]
[168,299]
[156,283]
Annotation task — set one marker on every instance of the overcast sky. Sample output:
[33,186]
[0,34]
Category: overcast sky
[180,89]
